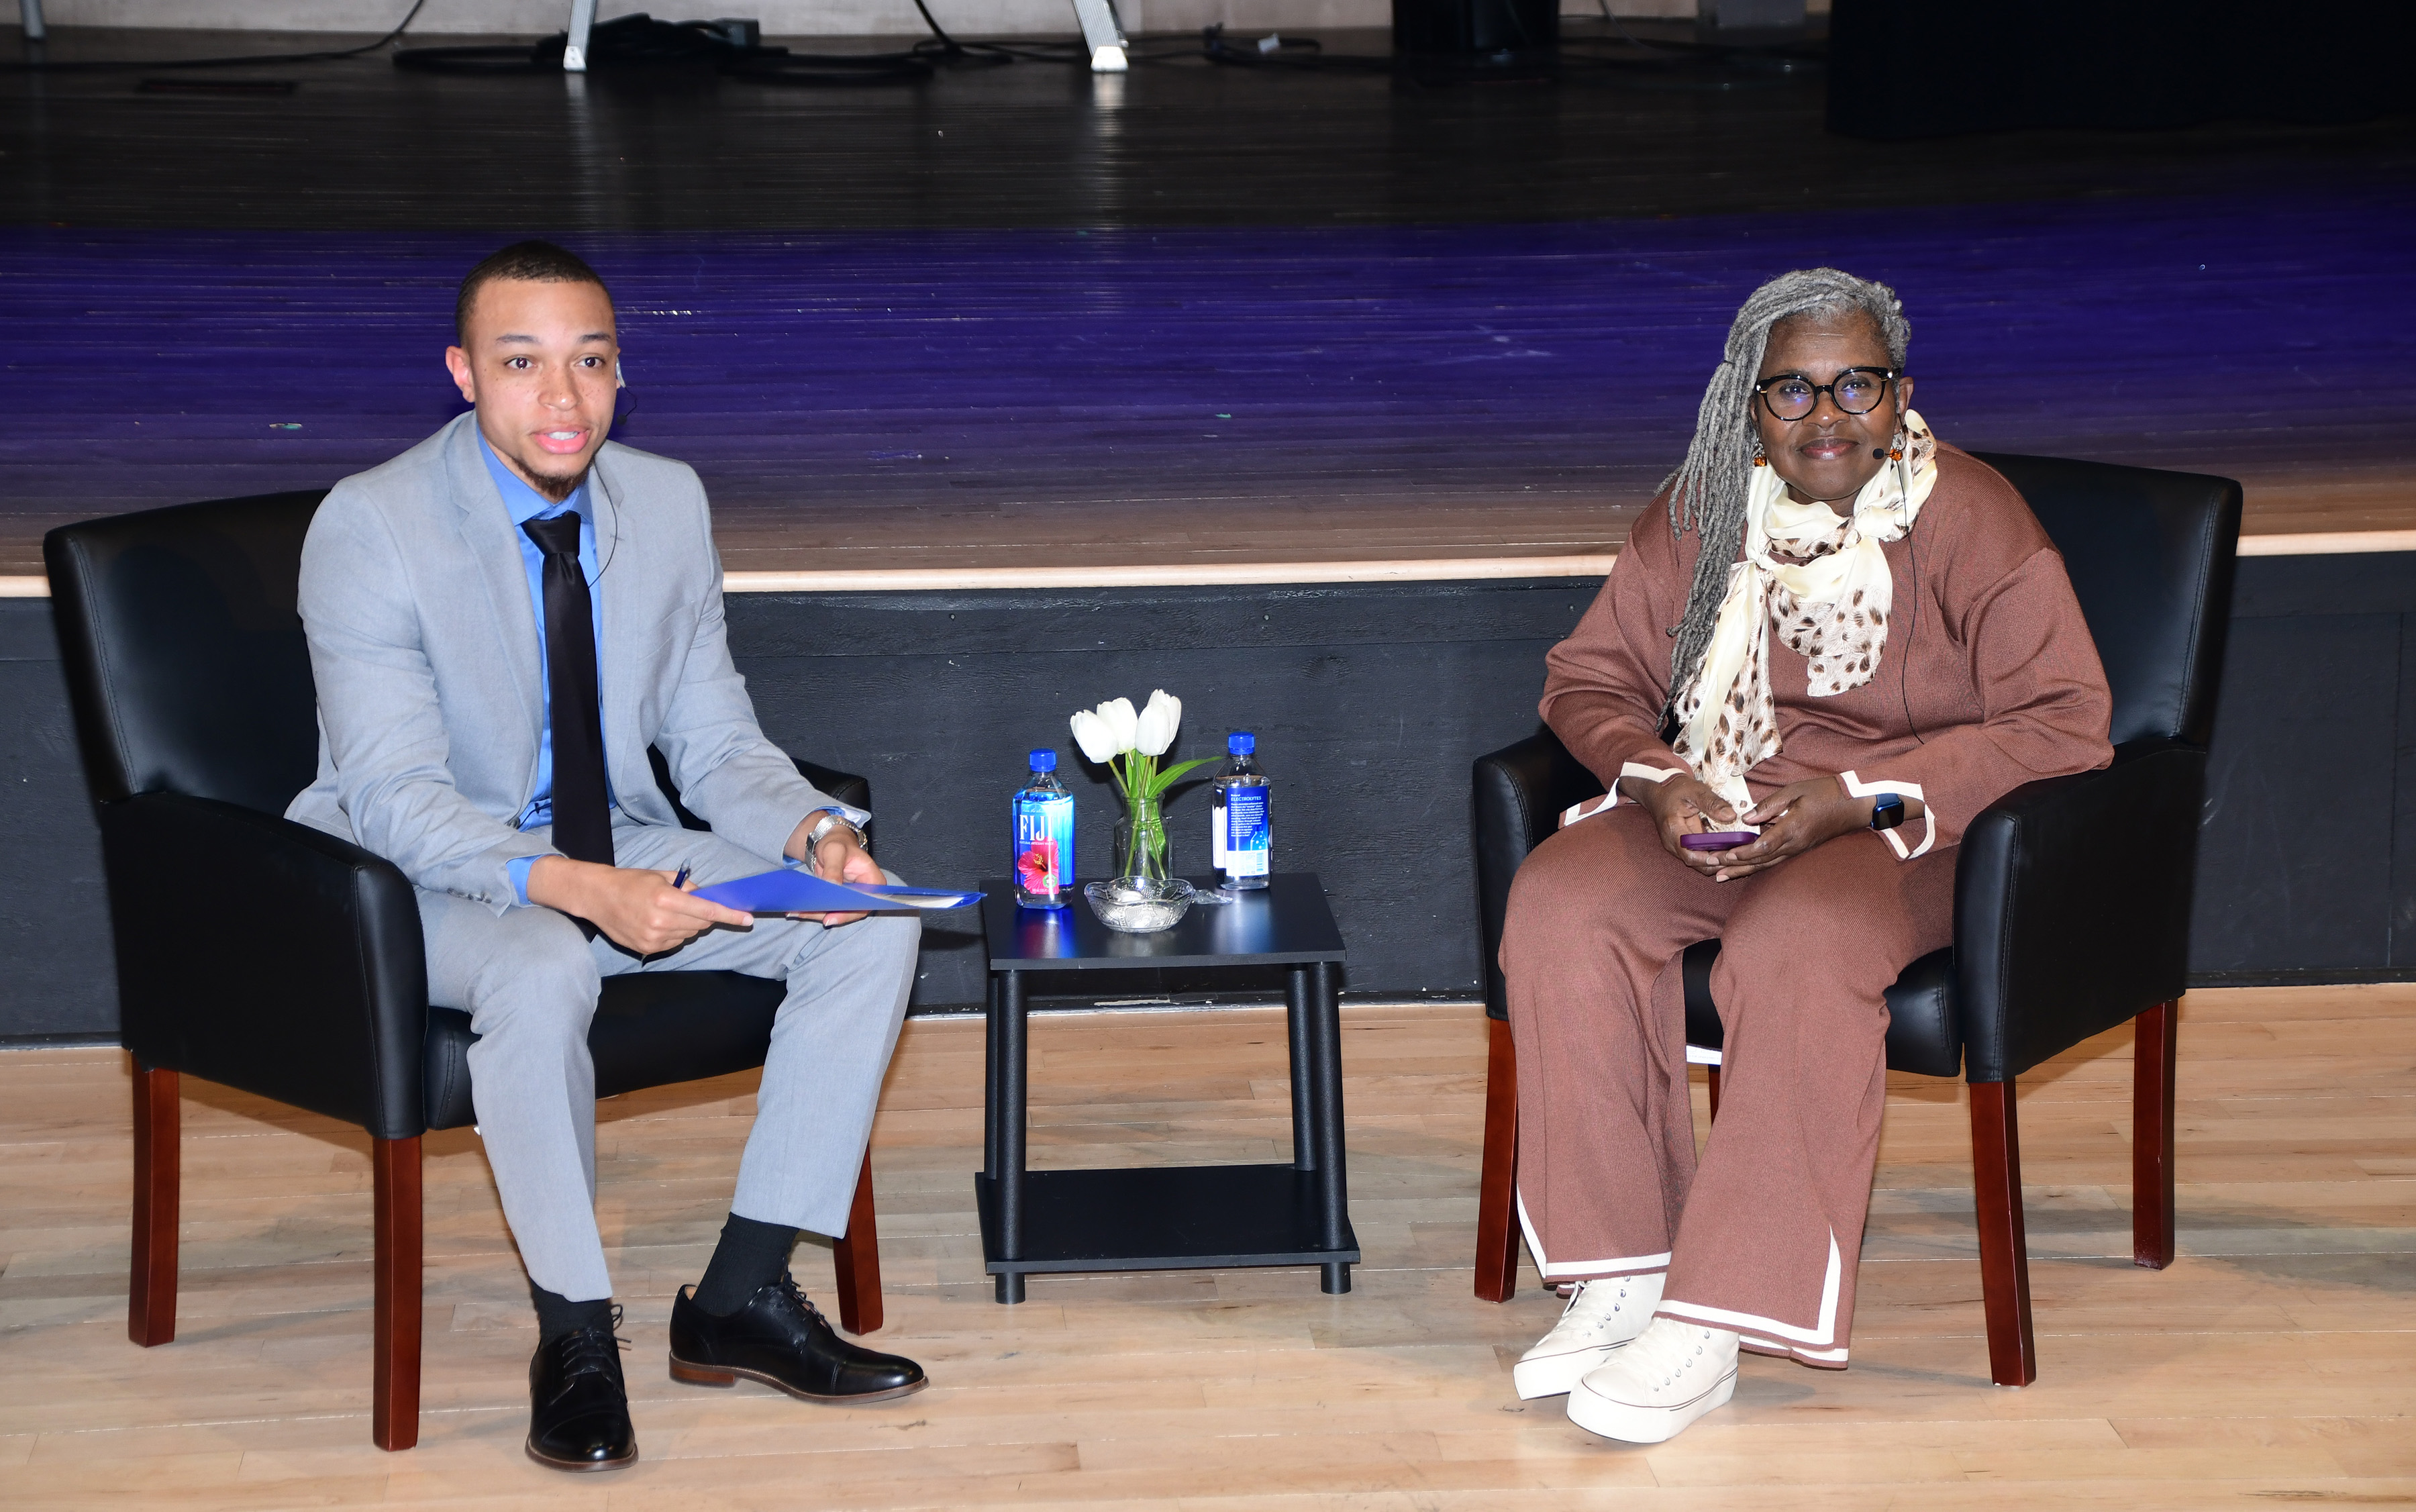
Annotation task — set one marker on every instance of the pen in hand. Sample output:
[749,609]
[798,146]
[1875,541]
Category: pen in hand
[686,871]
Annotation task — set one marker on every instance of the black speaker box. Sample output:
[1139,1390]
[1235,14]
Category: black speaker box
[1903,69]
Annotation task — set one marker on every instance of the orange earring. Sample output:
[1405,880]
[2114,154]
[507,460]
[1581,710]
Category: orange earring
[1895,454]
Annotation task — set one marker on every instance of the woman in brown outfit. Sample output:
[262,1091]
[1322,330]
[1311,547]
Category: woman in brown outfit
[1839,633]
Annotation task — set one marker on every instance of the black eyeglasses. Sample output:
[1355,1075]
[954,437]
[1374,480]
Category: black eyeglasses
[1791,396]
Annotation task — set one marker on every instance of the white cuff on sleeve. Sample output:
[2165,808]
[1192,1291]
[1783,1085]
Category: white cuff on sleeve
[1856,787]
[1610,800]
[859,819]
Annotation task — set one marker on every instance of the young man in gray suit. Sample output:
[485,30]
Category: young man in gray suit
[502,620]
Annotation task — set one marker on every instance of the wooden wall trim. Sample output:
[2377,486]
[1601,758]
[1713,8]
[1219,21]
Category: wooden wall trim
[1225,574]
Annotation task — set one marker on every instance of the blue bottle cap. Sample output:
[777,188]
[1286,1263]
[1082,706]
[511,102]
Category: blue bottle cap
[1044,761]
[1241,743]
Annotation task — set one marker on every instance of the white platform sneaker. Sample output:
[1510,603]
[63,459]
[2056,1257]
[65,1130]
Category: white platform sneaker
[1601,1317]
[1672,1374]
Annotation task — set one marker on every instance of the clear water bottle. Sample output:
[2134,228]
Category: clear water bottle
[1241,838]
[1044,838]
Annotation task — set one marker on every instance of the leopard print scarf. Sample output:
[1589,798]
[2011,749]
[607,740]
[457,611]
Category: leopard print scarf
[1823,582]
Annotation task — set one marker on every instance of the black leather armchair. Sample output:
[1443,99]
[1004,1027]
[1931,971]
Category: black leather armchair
[2072,896]
[268,956]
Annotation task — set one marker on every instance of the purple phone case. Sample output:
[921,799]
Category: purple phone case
[1724,840]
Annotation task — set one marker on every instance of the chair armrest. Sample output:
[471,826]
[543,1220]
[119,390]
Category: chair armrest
[2072,905]
[846,787]
[1520,793]
[268,956]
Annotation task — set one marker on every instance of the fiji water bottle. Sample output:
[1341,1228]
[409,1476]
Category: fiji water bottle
[1044,838]
[1241,840]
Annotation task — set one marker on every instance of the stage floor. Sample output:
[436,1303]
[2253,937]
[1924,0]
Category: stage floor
[2268,1366]
[1226,323]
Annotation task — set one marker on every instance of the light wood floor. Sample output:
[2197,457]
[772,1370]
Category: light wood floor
[2274,1363]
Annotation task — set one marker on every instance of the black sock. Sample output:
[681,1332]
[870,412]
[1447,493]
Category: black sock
[557,1315]
[751,1257]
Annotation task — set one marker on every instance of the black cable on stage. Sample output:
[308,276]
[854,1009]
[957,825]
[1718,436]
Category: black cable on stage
[946,48]
[638,38]
[1302,52]
[642,39]
[256,60]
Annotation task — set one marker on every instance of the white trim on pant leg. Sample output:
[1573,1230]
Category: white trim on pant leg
[1825,1334]
[1580,1269]
[1792,1351]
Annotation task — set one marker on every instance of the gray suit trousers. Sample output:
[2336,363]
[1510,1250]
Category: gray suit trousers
[529,981]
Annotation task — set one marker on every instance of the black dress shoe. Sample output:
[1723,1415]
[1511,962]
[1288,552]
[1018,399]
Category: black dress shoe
[783,1341]
[579,1407]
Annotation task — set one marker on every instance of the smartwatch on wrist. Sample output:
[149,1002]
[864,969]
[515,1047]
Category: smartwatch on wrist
[1888,811]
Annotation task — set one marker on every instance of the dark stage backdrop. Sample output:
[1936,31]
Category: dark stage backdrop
[1370,701]
[1902,68]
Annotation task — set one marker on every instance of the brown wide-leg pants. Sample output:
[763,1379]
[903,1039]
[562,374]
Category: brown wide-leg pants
[1764,1237]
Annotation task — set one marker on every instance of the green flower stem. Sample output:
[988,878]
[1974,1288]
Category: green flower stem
[1142,786]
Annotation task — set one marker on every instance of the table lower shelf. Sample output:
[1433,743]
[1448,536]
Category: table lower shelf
[1163,1217]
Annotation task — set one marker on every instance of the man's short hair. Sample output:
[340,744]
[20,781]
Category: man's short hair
[533,261]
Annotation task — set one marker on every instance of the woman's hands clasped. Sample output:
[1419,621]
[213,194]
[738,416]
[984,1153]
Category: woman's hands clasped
[1683,805]
[1792,819]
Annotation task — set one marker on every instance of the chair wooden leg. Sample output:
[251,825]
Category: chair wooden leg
[856,1256]
[1711,1075]
[2152,1136]
[394,1410]
[1497,1218]
[151,1282]
[2004,1251]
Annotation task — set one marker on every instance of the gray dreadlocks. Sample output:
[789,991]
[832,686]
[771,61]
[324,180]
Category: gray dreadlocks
[1709,488]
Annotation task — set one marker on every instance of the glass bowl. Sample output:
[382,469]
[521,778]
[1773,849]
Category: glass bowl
[1139,905]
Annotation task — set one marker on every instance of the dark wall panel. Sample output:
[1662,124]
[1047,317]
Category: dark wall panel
[2295,858]
[1370,701]
[57,973]
[2307,862]
[2403,844]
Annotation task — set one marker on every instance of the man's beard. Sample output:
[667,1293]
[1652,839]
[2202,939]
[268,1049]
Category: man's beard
[558,487]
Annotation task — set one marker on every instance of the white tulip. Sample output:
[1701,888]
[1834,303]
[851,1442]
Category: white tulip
[1156,731]
[1092,733]
[1122,723]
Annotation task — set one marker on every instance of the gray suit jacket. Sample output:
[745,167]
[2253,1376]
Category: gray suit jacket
[424,644]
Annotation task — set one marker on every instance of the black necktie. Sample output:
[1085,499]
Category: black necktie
[582,817]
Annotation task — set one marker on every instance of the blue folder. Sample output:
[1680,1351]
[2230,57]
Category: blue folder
[795,890]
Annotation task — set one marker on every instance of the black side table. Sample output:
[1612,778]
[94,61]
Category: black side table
[1169,1218]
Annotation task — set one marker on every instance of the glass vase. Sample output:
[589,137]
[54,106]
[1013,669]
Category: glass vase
[1141,847]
